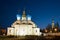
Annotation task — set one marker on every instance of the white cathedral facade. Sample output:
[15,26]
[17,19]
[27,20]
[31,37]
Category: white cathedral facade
[23,26]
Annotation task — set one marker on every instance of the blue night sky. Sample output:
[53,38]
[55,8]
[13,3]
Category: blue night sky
[41,11]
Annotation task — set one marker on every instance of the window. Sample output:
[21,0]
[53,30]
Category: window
[23,23]
[29,23]
[9,31]
[36,30]
[17,23]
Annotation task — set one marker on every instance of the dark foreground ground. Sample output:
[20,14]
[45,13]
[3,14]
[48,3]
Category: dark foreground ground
[30,38]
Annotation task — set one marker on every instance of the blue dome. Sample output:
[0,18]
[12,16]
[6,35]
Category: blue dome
[18,15]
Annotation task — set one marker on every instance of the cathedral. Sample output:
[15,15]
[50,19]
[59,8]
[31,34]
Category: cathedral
[23,26]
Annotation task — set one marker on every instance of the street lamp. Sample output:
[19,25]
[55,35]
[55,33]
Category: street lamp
[55,29]
[46,30]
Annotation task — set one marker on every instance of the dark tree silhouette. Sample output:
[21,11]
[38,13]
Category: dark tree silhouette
[48,27]
[57,25]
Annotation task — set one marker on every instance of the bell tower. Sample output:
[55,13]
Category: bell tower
[52,23]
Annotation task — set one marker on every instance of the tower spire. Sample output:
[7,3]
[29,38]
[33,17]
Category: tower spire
[52,23]
[24,14]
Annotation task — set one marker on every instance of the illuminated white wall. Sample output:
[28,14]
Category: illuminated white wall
[37,31]
[23,30]
[10,31]
[29,30]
